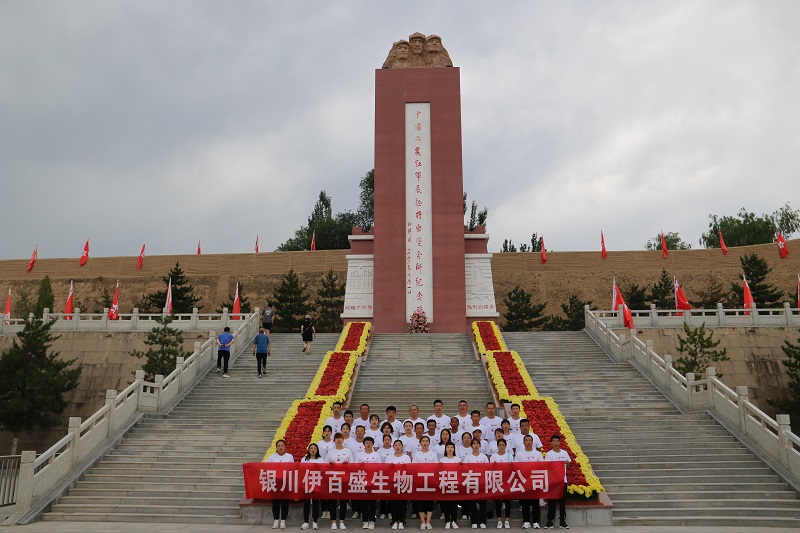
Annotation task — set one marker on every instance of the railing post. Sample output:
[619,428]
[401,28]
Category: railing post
[711,374]
[648,348]
[753,314]
[653,315]
[46,314]
[690,388]
[741,397]
[668,372]
[104,319]
[224,318]
[25,483]
[787,312]
[179,368]
[111,398]
[31,317]
[76,318]
[138,375]
[687,316]
[135,319]
[783,438]
[586,320]
[621,315]
[720,315]
[74,430]
[195,318]
[159,380]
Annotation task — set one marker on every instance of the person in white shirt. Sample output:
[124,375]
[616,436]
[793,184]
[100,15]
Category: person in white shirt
[475,423]
[327,441]
[413,415]
[336,420]
[433,433]
[363,420]
[386,448]
[524,429]
[465,445]
[391,413]
[498,434]
[477,434]
[408,438]
[397,508]
[455,430]
[444,440]
[463,415]
[280,507]
[442,421]
[336,456]
[425,455]
[419,432]
[369,455]
[514,419]
[557,454]
[491,421]
[528,454]
[505,425]
[356,445]
[348,417]
[374,429]
[449,507]
[311,506]
[502,456]
[477,509]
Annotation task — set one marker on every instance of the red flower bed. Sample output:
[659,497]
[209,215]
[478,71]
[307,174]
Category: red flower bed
[301,428]
[511,375]
[490,340]
[353,338]
[332,377]
[544,424]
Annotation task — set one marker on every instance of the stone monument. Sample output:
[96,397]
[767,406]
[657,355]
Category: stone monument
[418,256]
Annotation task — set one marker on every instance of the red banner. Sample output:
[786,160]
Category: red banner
[494,481]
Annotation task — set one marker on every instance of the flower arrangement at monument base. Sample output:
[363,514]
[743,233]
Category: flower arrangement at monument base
[418,323]
[487,337]
[508,374]
[302,425]
[354,337]
[334,376]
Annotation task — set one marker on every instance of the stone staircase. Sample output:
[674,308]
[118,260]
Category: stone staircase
[404,369]
[187,466]
[659,466]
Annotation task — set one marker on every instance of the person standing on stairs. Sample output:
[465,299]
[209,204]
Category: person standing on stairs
[280,508]
[477,509]
[425,455]
[397,508]
[491,421]
[224,341]
[312,506]
[528,454]
[502,456]
[442,421]
[369,455]
[449,507]
[261,350]
[336,420]
[308,333]
[557,454]
[339,455]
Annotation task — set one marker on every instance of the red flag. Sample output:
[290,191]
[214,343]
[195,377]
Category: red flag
[7,314]
[140,261]
[237,306]
[34,256]
[544,252]
[664,251]
[748,297]
[85,254]
[113,313]
[314,241]
[603,252]
[680,299]
[618,300]
[722,244]
[68,308]
[256,242]
[168,303]
[782,248]
[198,247]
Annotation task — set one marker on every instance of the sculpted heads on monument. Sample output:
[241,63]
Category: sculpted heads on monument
[418,52]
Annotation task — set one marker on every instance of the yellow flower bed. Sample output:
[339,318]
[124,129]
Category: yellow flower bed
[363,339]
[496,375]
[344,383]
[292,412]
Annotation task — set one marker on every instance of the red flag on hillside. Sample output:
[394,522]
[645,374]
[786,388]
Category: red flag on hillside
[7,314]
[680,299]
[618,300]
[544,252]
[256,242]
[722,244]
[664,251]
[782,248]
[314,241]
[603,252]
[69,306]
[113,313]
[198,247]
[85,254]
[34,256]
[748,297]
[168,303]
[140,261]
[237,306]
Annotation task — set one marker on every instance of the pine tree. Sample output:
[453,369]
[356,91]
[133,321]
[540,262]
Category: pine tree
[756,270]
[710,294]
[635,296]
[663,292]
[329,304]
[244,302]
[521,314]
[33,381]
[45,300]
[183,298]
[790,403]
[699,351]
[165,346]
[573,319]
[291,303]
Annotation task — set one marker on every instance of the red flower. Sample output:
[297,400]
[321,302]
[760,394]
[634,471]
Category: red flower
[301,428]
[544,424]
[511,375]
[487,333]
[332,376]
[353,338]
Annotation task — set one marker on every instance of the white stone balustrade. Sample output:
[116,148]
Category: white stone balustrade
[719,317]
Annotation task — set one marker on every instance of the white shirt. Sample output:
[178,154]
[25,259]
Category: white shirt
[275,458]
[376,435]
[414,421]
[456,436]
[484,432]
[514,425]
[439,449]
[434,438]
[561,456]
[462,452]
[442,422]
[360,422]
[455,459]
[324,447]
[354,446]
[464,421]
[309,460]
[365,457]
[385,452]
[524,456]
[519,443]
[397,425]
[491,423]
[472,458]
[340,456]
[393,459]
[425,457]
[335,423]
[410,444]
[497,458]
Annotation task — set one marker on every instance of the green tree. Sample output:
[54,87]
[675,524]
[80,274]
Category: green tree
[33,381]
[663,292]
[366,203]
[45,299]
[508,246]
[329,304]
[635,295]
[23,304]
[790,403]
[536,243]
[331,231]
[244,302]
[291,303]
[165,345]
[712,293]
[476,218]
[674,242]
[756,270]
[574,317]
[183,298]
[698,351]
[521,314]
[746,228]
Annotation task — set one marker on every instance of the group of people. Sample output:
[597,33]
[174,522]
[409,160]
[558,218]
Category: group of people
[464,438]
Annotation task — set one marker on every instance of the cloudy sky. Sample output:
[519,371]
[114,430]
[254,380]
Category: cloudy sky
[169,122]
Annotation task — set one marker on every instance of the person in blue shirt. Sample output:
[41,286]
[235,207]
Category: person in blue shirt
[261,351]
[224,340]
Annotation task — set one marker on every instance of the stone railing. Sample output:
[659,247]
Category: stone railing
[42,478]
[135,321]
[768,437]
[719,317]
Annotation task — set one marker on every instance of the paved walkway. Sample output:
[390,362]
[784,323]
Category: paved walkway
[131,527]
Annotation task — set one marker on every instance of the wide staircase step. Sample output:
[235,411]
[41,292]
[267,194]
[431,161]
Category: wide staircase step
[660,466]
[187,466]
